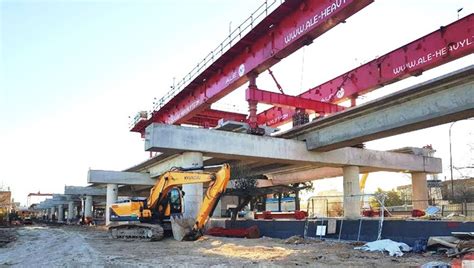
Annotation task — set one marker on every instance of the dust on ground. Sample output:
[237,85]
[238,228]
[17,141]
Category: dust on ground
[7,235]
[75,246]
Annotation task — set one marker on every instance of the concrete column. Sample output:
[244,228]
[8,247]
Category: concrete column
[419,191]
[88,206]
[351,187]
[60,213]
[70,211]
[193,192]
[51,213]
[112,195]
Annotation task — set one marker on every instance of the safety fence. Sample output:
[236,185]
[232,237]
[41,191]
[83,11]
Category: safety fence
[333,206]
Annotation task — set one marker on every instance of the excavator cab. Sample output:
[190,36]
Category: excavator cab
[175,197]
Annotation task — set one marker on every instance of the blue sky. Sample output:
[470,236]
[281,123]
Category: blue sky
[54,52]
[71,72]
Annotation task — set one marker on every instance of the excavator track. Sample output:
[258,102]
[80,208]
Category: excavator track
[142,231]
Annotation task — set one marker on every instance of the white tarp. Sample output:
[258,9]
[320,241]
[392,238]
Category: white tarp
[393,248]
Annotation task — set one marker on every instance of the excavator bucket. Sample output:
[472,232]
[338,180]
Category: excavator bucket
[182,228]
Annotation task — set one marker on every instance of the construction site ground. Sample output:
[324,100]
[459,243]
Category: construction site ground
[77,246]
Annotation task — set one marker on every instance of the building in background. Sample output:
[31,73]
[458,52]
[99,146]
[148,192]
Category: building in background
[5,205]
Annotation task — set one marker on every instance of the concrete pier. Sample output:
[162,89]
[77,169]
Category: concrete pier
[193,192]
[112,196]
[51,213]
[88,206]
[351,192]
[60,213]
[419,190]
[70,211]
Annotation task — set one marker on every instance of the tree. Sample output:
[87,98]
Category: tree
[463,191]
[393,198]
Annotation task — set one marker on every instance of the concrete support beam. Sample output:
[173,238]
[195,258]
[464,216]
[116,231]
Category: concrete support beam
[285,178]
[419,191]
[351,192]
[119,177]
[112,196]
[60,213]
[229,145]
[88,206]
[193,192]
[81,190]
[439,101]
[183,160]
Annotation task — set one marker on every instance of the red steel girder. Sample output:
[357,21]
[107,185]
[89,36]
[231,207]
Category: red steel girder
[439,47]
[210,117]
[283,100]
[294,24]
[140,126]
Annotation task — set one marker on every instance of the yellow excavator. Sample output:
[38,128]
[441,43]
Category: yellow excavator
[148,218]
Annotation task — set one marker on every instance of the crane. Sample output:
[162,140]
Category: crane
[275,31]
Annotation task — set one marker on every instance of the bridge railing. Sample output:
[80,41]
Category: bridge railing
[234,36]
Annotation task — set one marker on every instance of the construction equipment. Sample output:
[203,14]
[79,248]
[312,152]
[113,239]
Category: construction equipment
[275,31]
[362,182]
[163,210]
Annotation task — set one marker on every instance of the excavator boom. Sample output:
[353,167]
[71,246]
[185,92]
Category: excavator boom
[160,205]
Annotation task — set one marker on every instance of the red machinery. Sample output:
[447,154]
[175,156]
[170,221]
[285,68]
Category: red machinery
[292,25]
[439,47]
[269,215]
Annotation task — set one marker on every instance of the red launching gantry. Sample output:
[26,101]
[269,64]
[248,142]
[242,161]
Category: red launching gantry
[290,26]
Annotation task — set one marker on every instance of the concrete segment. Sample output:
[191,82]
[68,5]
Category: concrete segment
[119,177]
[48,203]
[441,100]
[112,196]
[229,145]
[304,175]
[81,190]
[184,160]
[351,192]
[419,191]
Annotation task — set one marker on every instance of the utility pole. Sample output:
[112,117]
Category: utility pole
[451,161]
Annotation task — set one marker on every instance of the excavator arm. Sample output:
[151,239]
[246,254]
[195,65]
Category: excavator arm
[171,179]
[212,196]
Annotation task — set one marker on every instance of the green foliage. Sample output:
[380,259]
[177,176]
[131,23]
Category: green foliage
[393,198]
[240,178]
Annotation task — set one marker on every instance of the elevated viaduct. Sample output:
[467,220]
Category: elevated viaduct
[310,150]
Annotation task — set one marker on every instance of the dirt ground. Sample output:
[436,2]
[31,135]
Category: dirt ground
[75,246]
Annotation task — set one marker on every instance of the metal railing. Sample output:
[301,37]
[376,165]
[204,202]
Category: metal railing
[234,36]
